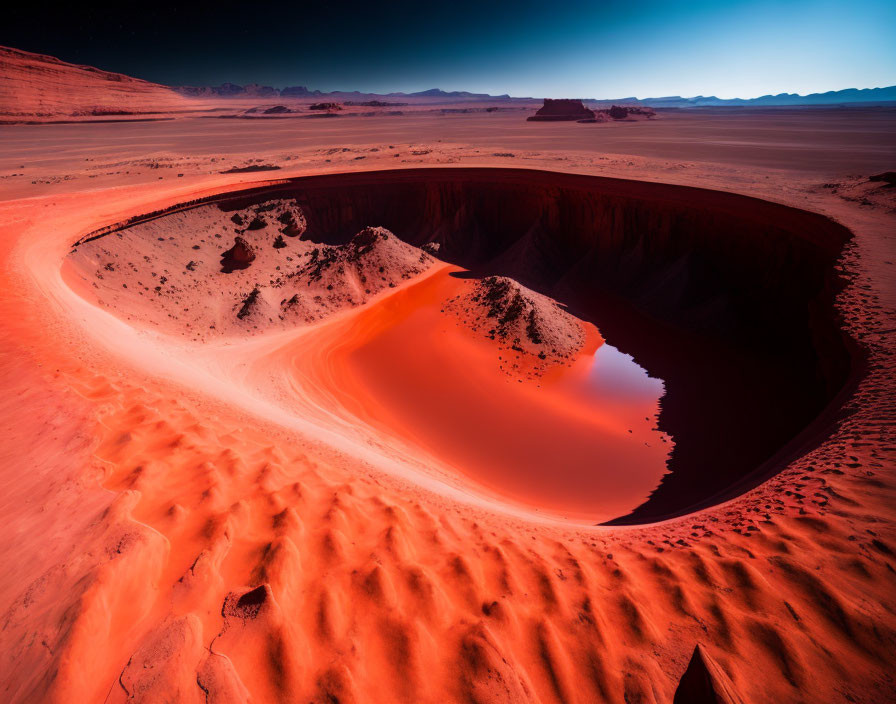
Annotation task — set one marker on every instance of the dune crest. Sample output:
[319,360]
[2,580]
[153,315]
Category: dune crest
[40,86]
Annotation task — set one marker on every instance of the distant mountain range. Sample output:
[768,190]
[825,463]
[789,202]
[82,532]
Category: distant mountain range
[231,90]
[834,97]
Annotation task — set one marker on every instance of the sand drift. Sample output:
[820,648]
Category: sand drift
[727,299]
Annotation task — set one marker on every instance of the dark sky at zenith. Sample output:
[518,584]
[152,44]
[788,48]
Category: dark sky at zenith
[612,48]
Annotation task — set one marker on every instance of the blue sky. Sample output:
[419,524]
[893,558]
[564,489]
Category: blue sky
[608,49]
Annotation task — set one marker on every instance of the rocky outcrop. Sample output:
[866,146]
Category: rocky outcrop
[888,178]
[562,109]
[251,169]
[209,271]
[240,256]
[348,274]
[294,223]
[704,682]
[618,112]
[248,303]
[325,106]
[529,323]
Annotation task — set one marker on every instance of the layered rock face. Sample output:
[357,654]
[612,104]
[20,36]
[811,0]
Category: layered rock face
[37,85]
[562,109]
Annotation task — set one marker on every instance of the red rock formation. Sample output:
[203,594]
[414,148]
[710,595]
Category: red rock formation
[240,256]
[563,109]
[619,112]
[37,85]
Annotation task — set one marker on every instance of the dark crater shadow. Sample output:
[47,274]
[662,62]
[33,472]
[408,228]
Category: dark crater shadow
[728,299]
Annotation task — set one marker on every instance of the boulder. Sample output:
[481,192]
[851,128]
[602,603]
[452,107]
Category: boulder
[240,256]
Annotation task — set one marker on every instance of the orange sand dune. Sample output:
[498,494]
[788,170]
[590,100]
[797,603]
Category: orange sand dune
[531,438]
[172,532]
[38,85]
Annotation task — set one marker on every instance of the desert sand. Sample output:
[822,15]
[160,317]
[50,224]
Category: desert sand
[243,517]
[35,86]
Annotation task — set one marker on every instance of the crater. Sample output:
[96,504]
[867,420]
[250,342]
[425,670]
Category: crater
[729,300]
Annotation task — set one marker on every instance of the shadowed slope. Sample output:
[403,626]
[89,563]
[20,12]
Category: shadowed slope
[704,682]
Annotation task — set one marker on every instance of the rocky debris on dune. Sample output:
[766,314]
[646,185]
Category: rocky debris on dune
[246,606]
[251,169]
[240,256]
[163,272]
[373,103]
[705,682]
[248,303]
[618,112]
[561,109]
[277,110]
[257,223]
[533,326]
[888,178]
[336,276]
[325,106]
[294,223]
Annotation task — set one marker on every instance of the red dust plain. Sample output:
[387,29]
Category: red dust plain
[285,509]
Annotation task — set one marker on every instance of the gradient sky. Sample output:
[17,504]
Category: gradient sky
[595,49]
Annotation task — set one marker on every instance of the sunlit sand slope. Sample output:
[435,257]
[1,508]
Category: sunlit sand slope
[166,537]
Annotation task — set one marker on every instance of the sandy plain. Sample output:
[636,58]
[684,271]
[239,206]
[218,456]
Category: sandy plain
[167,535]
